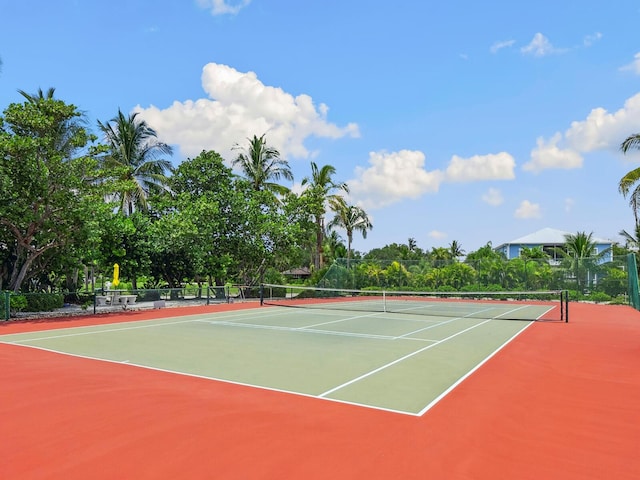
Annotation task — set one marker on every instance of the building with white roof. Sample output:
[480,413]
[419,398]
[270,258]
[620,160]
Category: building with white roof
[550,239]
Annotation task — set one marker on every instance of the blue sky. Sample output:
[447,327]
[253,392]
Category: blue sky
[459,120]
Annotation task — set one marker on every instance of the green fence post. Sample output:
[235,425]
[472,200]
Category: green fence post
[7,305]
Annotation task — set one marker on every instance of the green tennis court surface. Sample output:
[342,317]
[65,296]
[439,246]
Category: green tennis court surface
[397,362]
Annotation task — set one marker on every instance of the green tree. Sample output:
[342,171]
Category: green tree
[630,179]
[580,256]
[46,166]
[456,250]
[320,191]
[352,218]
[261,164]
[632,242]
[440,255]
[490,265]
[334,246]
[198,220]
[135,160]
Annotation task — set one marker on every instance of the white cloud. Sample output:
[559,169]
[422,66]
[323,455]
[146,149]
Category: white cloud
[547,155]
[437,234]
[500,45]
[601,130]
[498,166]
[568,204]
[633,66]
[493,197]
[391,177]
[528,210]
[222,7]
[240,106]
[591,39]
[540,46]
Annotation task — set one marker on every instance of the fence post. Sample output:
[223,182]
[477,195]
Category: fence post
[7,305]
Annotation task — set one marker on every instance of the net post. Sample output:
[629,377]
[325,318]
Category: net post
[566,306]
[261,294]
[384,301]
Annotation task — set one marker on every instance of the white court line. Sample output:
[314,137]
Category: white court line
[470,372]
[159,322]
[305,330]
[372,372]
[221,380]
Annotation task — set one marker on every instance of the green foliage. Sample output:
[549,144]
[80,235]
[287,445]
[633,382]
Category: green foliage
[45,168]
[17,303]
[43,302]
[615,282]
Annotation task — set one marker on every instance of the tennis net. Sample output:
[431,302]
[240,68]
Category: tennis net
[530,306]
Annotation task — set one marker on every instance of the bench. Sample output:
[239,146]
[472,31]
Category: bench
[101,300]
[127,299]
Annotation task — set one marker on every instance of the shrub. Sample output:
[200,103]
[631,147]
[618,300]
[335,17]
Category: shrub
[43,302]
[599,297]
[17,303]
[148,295]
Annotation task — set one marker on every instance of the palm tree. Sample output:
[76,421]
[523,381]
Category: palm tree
[134,155]
[40,95]
[581,254]
[261,164]
[334,245]
[351,218]
[66,131]
[631,178]
[631,242]
[456,249]
[319,192]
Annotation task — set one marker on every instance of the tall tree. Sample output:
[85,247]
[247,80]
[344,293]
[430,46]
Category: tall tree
[632,242]
[42,176]
[321,190]
[581,255]
[261,164]
[456,249]
[631,178]
[135,158]
[352,218]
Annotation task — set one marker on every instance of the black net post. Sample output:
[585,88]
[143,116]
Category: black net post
[564,305]
[261,294]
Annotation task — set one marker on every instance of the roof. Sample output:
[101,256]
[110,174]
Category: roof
[298,271]
[549,236]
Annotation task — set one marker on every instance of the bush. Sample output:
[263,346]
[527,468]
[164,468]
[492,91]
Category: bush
[148,295]
[43,302]
[599,297]
[17,303]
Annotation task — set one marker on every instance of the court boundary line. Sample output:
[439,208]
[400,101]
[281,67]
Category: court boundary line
[436,400]
[214,379]
[432,343]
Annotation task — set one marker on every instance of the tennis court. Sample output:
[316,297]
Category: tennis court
[243,391]
[392,361]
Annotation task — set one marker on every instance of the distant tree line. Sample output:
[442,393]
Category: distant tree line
[73,203]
